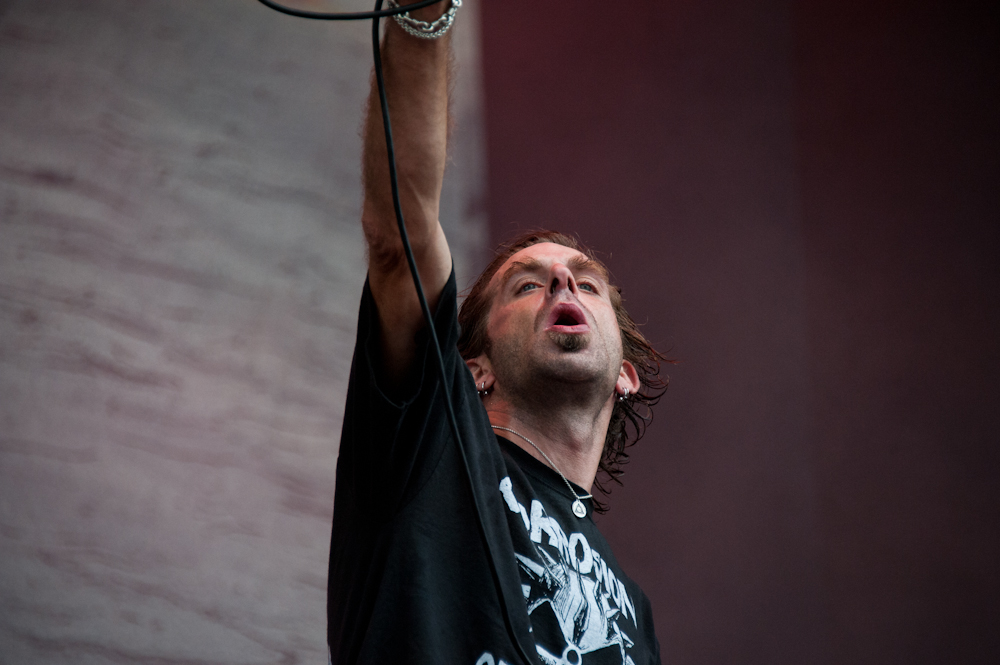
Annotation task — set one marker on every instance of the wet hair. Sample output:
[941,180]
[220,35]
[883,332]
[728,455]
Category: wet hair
[630,416]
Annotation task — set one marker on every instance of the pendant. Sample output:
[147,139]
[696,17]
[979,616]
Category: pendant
[579,509]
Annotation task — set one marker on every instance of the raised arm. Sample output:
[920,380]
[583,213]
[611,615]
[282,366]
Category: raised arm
[416,75]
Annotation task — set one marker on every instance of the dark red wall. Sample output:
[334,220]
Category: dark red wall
[800,201]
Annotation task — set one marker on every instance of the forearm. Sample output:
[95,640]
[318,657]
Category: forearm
[416,75]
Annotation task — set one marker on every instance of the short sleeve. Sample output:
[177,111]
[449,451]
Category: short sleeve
[391,441]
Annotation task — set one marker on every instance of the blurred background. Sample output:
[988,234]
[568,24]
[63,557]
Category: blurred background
[800,201]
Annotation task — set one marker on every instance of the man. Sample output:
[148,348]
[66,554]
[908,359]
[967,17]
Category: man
[480,551]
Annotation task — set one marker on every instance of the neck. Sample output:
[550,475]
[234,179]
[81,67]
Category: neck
[572,436]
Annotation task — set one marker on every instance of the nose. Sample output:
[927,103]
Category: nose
[561,278]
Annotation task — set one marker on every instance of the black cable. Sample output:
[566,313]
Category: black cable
[347,16]
[375,17]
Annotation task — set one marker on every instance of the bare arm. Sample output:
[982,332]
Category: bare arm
[416,80]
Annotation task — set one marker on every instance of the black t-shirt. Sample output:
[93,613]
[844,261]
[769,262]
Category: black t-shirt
[428,567]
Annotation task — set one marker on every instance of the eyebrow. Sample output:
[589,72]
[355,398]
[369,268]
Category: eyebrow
[529,265]
[578,263]
[585,264]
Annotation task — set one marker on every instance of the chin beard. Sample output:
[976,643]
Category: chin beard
[569,341]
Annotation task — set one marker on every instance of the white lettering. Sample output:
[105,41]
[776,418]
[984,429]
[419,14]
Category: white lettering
[541,522]
[562,542]
[507,490]
[601,571]
[584,565]
[616,592]
[626,604]
[487,659]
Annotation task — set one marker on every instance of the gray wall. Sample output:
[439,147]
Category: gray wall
[180,264]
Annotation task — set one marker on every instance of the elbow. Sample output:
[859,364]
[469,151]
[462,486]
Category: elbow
[385,249]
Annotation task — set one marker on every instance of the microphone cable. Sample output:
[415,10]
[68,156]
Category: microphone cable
[375,17]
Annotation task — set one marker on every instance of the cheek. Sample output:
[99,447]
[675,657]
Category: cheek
[508,322]
[499,328]
[614,335]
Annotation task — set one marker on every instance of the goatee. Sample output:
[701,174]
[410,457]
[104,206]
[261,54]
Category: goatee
[568,341]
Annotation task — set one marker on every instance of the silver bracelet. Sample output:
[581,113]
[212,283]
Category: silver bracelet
[423,29]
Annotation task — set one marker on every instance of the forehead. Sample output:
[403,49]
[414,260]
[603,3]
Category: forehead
[545,254]
[547,250]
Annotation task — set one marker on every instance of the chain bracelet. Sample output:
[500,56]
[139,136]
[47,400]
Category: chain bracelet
[423,29]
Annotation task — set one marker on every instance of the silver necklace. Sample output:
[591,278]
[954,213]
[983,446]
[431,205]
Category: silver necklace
[579,509]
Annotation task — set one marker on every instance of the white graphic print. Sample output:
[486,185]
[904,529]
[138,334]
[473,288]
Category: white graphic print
[588,601]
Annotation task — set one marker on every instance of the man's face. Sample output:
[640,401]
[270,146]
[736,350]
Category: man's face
[551,319]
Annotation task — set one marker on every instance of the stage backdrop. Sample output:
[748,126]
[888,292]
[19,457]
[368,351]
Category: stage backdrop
[800,200]
[180,267]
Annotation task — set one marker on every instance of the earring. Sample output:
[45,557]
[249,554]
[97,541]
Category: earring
[624,396]
[482,389]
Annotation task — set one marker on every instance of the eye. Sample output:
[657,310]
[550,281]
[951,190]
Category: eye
[527,287]
[586,286]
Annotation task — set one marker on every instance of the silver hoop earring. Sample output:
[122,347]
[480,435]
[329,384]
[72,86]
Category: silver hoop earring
[624,396]
[482,389]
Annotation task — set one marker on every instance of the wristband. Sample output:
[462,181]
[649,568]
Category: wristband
[423,29]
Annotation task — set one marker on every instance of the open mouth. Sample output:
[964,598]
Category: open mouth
[567,318]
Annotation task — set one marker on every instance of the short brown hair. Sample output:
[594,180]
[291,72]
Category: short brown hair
[627,425]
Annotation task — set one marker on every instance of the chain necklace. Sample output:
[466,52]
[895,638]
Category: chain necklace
[579,509]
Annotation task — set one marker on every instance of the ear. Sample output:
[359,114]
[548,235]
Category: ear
[482,370]
[628,379]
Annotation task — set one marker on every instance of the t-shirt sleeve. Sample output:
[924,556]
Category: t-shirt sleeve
[391,440]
